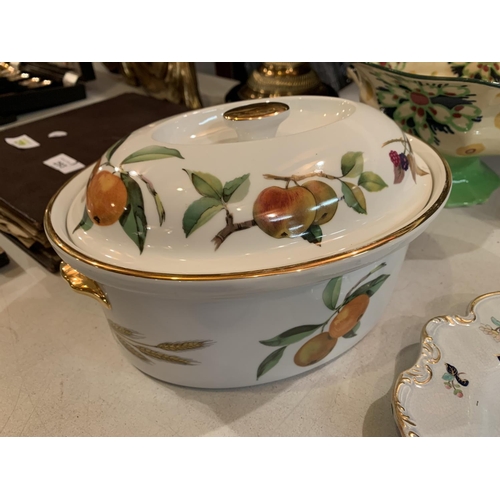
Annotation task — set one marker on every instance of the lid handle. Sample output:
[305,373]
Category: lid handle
[258,120]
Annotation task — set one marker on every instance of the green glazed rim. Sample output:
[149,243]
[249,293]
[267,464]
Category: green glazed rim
[495,85]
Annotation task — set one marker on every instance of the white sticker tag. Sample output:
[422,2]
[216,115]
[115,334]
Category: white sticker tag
[64,163]
[57,133]
[22,142]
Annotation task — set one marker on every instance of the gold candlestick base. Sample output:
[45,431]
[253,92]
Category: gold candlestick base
[274,79]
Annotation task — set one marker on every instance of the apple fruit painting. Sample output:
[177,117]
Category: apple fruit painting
[326,200]
[284,213]
[296,209]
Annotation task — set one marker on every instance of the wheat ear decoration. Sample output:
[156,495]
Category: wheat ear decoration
[131,349]
[184,346]
[165,357]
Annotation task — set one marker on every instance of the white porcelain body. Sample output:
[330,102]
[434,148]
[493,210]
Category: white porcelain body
[233,326]
[224,321]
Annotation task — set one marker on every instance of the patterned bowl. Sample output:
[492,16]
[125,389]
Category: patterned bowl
[454,107]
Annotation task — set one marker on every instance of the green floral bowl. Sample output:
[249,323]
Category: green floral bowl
[454,107]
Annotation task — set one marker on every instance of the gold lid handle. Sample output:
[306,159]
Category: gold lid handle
[248,121]
[256,111]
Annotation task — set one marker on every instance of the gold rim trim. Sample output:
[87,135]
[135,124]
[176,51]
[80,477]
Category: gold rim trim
[256,111]
[261,273]
[421,372]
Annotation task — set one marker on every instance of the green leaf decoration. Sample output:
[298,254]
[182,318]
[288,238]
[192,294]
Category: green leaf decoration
[206,184]
[352,333]
[371,182]
[159,208]
[352,164]
[151,153]
[495,321]
[110,152]
[313,235]
[354,197]
[231,186]
[156,196]
[270,362]
[199,213]
[133,219]
[447,376]
[291,336]
[331,293]
[86,222]
[369,288]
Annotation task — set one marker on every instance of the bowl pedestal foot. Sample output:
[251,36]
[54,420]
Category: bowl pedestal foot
[473,181]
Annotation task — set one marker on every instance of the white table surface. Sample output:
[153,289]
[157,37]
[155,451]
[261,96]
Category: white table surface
[61,373]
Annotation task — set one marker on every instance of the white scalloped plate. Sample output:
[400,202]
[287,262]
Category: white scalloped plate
[454,387]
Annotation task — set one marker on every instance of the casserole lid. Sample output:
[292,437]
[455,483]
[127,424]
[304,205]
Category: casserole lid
[258,185]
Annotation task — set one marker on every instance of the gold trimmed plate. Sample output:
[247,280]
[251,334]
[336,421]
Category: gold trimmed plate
[452,390]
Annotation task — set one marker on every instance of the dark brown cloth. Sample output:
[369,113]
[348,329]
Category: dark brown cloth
[27,185]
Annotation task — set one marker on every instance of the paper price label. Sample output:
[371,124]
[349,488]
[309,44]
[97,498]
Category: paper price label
[64,163]
[22,142]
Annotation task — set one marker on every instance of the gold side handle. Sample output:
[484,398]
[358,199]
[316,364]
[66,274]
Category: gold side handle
[81,284]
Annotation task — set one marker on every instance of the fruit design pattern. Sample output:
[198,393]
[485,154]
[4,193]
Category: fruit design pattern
[426,109]
[450,376]
[294,210]
[493,332]
[404,161]
[131,341]
[114,195]
[343,322]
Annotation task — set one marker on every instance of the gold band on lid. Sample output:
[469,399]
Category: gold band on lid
[256,111]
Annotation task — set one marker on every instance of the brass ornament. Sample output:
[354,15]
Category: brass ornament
[175,82]
[274,79]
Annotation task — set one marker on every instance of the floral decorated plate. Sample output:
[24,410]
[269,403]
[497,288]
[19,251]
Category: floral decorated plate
[453,388]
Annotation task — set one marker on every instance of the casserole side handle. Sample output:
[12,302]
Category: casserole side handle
[81,284]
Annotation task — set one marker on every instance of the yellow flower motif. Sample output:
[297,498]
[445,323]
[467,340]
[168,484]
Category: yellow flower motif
[470,150]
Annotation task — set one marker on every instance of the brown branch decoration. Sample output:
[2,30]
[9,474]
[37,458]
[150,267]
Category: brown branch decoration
[231,228]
